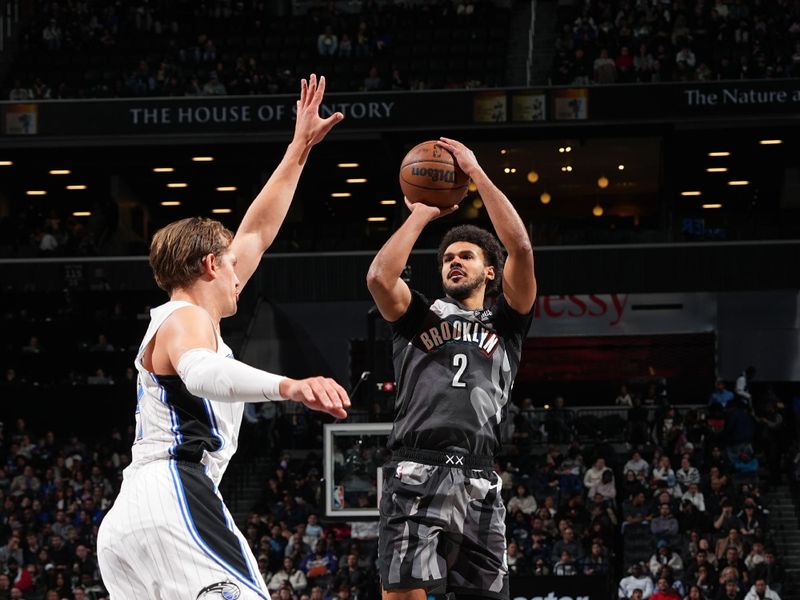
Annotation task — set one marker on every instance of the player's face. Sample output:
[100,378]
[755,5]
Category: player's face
[464,270]
[228,283]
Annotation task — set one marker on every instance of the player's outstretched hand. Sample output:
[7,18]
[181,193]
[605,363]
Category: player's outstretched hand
[310,128]
[317,393]
[463,155]
[430,212]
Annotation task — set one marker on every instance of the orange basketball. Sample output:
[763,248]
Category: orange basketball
[430,174]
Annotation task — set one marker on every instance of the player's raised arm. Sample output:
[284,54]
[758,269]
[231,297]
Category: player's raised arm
[519,279]
[390,292]
[265,216]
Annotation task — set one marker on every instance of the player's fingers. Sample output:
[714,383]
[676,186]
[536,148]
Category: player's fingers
[446,146]
[320,91]
[408,204]
[321,395]
[341,393]
[303,91]
[307,393]
[312,87]
[451,141]
[330,122]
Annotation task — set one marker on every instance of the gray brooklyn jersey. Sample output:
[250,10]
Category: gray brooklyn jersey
[454,369]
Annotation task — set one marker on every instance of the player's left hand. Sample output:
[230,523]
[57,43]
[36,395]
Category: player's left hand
[463,155]
[317,393]
[309,127]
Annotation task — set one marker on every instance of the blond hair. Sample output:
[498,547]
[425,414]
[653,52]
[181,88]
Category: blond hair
[177,250]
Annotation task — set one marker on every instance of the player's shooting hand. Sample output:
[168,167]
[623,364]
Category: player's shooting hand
[429,212]
[463,155]
[309,127]
[317,393]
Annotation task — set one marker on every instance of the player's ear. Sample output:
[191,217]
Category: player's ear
[490,274]
[210,265]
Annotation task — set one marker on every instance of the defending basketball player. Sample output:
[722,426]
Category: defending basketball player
[442,517]
[169,534]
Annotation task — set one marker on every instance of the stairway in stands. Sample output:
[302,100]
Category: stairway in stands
[544,39]
[783,520]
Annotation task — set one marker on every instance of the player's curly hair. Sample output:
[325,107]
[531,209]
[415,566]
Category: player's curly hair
[493,252]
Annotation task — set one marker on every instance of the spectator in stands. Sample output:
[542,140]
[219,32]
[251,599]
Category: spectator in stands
[517,564]
[373,81]
[635,511]
[721,395]
[596,562]
[594,475]
[664,590]
[732,557]
[606,489]
[730,591]
[523,502]
[771,570]
[637,464]
[51,35]
[624,397]
[568,543]
[321,565]
[605,69]
[687,474]
[695,496]
[327,42]
[33,346]
[20,92]
[665,525]
[665,556]
[637,580]
[743,385]
[102,344]
[761,591]
[565,565]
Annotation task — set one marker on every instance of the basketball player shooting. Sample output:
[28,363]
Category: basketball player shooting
[169,535]
[442,527]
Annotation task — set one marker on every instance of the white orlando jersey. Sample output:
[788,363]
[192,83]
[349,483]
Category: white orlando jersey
[173,423]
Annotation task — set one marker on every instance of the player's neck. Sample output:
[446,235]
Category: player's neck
[471,302]
[202,298]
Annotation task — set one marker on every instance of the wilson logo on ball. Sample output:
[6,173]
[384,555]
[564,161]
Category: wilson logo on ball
[434,174]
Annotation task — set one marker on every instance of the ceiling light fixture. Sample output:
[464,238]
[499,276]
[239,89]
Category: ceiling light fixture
[717,169]
[376,219]
[36,192]
[739,182]
[347,165]
[171,203]
[691,193]
[545,198]
[341,195]
[59,172]
[163,169]
[82,213]
[388,202]
[76,186]
[602,182]
[6,163]
[227,188]
[770,142]
[717,154]
[202,158]
[712,205]
[533,176]
[177,185]
[620,167]
[221,211]
[597,211]
[356,180]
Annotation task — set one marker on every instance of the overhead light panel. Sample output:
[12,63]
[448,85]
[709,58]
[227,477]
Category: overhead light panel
[770,142]
[620,167]
[6,163]
[717,154]
[357,180]
[221,211]
[739,182]
[691,193]
[227,188]
[376,219]
[59,172]
[717,169]
[76,186]
[36,192]
[202,158]
[712,205]
[82,213]
[163,169]
[388,202]
[341,195]
[344,165]
[171,203]
[177,185]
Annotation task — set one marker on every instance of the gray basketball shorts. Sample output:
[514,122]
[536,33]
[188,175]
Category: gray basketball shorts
[442,528]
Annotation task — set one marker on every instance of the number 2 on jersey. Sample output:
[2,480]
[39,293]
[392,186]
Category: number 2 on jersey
[460,362]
